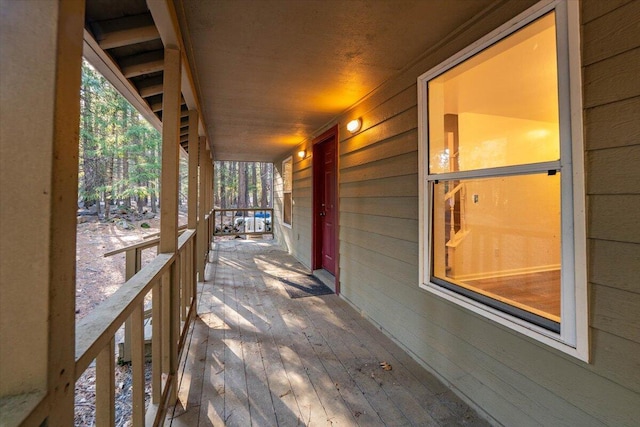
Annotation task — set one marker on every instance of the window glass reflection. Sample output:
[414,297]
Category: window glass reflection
[499,108]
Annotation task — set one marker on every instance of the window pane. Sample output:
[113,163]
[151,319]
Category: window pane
[287,175]
[287,208]
[500,238]
[287,187]
[500,107]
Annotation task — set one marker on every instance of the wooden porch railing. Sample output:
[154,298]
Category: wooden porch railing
[171,280]
[133,264]
[243,221]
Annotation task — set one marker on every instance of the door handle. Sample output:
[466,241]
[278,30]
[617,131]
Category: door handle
[323,213]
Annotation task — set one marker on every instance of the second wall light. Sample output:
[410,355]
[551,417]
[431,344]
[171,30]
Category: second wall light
[354,125]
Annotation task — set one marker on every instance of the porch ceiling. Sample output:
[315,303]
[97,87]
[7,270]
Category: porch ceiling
[272,73]
[265,75]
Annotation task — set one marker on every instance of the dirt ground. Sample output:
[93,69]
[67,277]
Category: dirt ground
[97,278]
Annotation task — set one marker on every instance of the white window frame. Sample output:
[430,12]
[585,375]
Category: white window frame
[284,191]
[573,338]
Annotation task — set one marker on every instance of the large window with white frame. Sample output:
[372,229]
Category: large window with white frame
[287,190]
[502,209]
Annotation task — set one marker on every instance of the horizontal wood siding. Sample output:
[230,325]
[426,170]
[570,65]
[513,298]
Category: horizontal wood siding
[611,34]
[593,9]
[514,380]
[399,186]
[614,171]
[612,79]
[623,272]
[608,219]
[611,65]
[405,229]
[613,125]
[615,311]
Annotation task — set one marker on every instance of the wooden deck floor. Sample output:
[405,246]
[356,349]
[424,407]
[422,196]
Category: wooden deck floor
[255,357]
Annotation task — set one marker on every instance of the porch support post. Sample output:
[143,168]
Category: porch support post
[192,220]
[211,187]
[207,210]
[210,200]
[201,238]
[170,152]
[40,86]
[169,205]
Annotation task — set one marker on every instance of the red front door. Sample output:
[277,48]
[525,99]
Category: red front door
[325,206]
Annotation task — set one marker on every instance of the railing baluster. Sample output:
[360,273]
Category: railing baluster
[174,324]
[188,264]
[133,264]
[156,344]
[137,363]
[182,257]
[130,270]
[194,269]
[105,387]
[166,320]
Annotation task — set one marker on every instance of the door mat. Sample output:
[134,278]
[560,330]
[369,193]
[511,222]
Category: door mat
[304,286]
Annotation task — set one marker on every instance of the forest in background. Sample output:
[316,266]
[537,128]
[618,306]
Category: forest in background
[120,159]
[243,184]
[120,152]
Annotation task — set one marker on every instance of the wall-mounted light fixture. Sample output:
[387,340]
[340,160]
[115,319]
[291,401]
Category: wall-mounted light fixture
[302,154]
[354,125]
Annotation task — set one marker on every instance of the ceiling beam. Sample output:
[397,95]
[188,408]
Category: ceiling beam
[145,63]
[129,36]
[148,91]
[143,68]
[157,106]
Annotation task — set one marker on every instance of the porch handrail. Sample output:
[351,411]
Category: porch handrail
[142,245]
[184,237]
[180,230]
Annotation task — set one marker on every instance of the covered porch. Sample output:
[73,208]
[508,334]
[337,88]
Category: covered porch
[281,82]
[255,356]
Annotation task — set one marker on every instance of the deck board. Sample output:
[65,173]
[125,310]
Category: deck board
[394,403]
[236,397]
[284,405]
[255,357]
